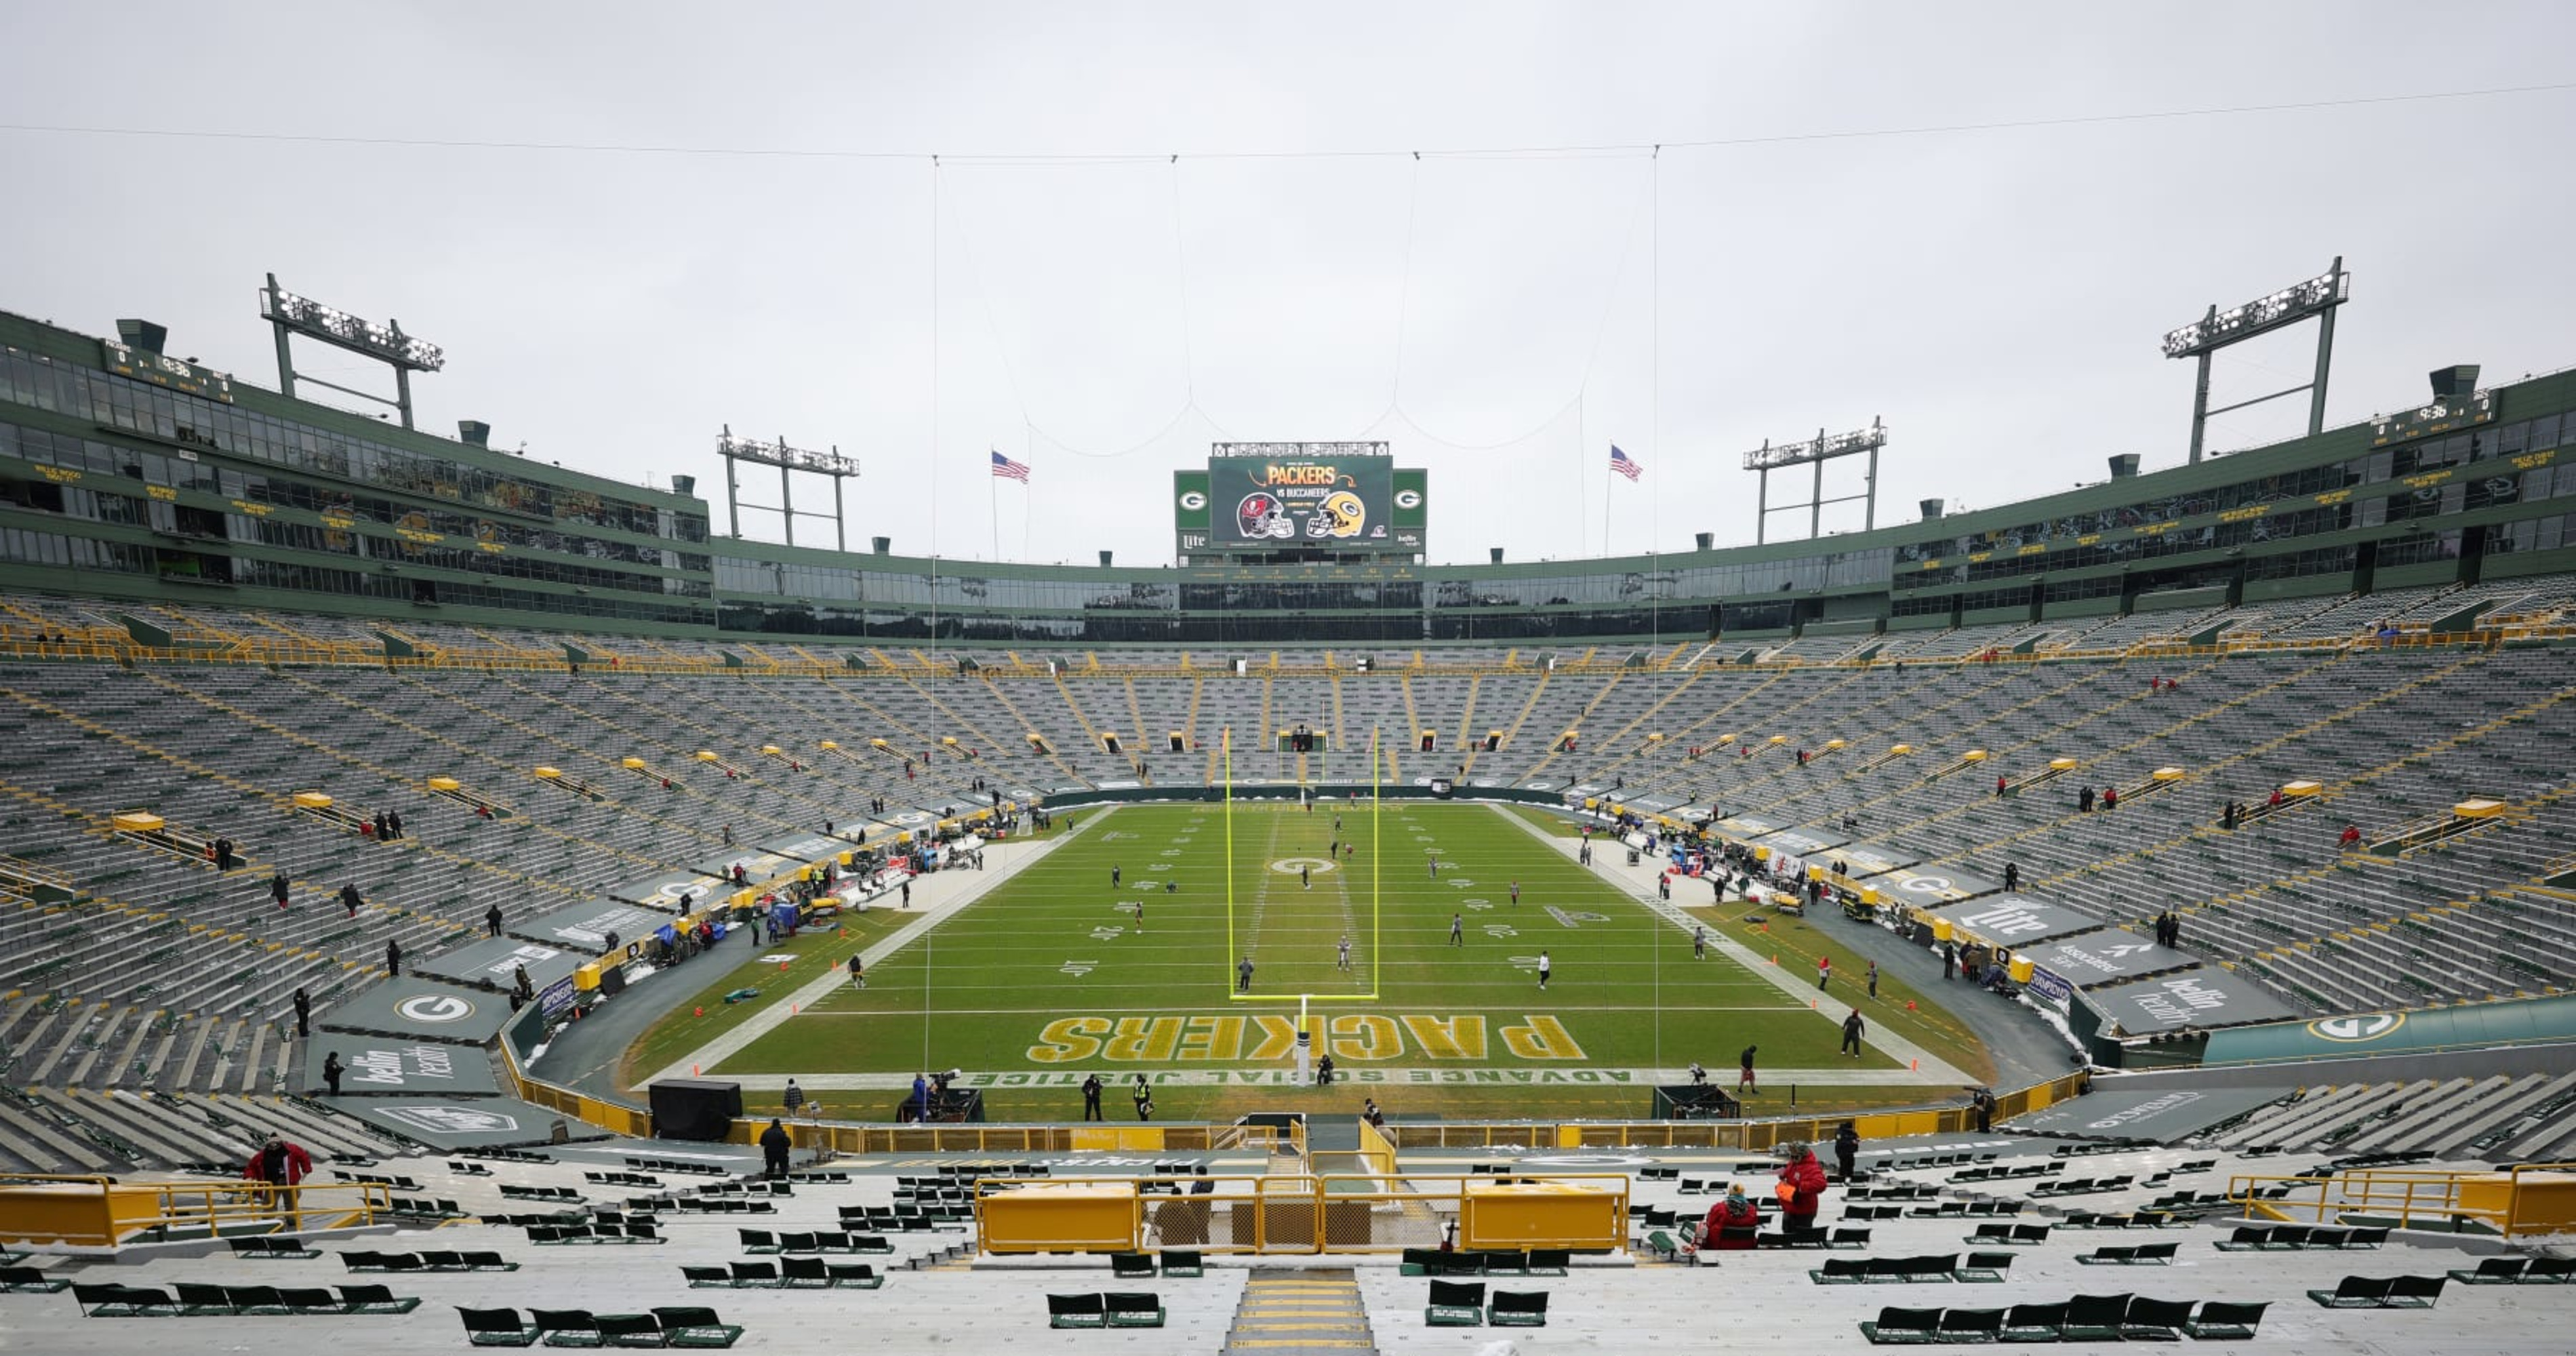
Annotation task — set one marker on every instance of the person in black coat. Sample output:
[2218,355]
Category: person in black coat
[775,1145]
[393,959]
[303,1015]
[279,888]
[331,1071]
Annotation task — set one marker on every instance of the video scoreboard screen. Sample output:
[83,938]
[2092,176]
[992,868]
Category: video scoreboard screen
[1300,499]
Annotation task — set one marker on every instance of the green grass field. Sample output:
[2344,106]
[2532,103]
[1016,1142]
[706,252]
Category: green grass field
[1058,973]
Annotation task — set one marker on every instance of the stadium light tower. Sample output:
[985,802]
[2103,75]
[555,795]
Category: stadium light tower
[1768,458]
[788,460]
[291,315]
[2316,298]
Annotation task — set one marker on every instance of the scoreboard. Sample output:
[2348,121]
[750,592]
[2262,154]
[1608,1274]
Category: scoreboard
[1299,501]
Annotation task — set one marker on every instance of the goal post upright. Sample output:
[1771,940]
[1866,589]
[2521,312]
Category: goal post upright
[1377,856]
[1225,810]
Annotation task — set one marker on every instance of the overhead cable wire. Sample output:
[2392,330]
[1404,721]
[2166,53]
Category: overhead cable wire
[1638,148]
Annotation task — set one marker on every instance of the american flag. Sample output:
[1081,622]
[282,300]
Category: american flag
[1008,469]
[1624,464]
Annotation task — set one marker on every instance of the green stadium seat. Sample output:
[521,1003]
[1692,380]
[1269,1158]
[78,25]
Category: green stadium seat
[1456,1304]
[2094,1318]
[2219,1321]
[2356,1292]
[497,1328]
[1902,1327]
[568,1327]
[695,1326]
[2032,1323]
[375,1299]
[1971,1325]
[32,1281]
[1133,1309]
[1077,1311]
[1983,1266]
[2152,1320]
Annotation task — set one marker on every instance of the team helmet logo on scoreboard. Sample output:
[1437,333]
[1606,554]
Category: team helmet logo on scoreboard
[1260,514]
[1342,515]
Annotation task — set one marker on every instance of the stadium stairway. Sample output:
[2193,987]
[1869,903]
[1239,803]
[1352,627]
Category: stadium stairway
[1301,1311]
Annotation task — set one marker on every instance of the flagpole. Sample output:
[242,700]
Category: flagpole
[993,493]
[934,430]
[1582,492]
[1607,490]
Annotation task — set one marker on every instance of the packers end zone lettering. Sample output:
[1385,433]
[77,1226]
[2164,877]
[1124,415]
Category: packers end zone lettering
[1347,1036]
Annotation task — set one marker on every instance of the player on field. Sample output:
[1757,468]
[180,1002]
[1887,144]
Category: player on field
[1243,975]
[1699,941]
[1306,876]
[1516,894]
[1542,971]
[1345,962]
[1457,929]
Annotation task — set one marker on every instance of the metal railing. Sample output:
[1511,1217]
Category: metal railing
[1289,1213]
[2410,1198]
[107,1212]
[1743,1136]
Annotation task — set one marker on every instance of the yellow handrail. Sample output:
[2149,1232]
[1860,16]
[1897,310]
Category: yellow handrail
[1291,1213]
[108,1211]
[2411,1197]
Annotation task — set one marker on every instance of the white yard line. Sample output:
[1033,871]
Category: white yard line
[936,896]
[1638,881]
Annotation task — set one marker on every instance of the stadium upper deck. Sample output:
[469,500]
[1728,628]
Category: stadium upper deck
[157,482]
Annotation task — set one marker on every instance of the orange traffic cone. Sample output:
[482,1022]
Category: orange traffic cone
[1775,959]
[1909,1005]
[1914,1064]
[697,1012]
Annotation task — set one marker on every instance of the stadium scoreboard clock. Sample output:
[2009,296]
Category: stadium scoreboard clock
[1299,501]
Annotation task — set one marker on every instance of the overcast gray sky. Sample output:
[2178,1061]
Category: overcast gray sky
[1996,295]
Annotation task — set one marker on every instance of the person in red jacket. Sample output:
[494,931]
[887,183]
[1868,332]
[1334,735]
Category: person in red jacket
[1802,1189]
[281,1165]
[1736,1211]
[278,1163]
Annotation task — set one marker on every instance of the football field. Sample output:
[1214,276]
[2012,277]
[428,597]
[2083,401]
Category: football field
[1121,952]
